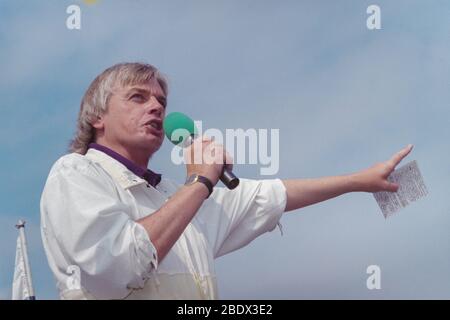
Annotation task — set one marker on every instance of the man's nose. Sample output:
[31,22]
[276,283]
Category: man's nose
[155,107]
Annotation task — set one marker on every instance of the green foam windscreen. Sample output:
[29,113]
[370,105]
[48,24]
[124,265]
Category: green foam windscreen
[178,126]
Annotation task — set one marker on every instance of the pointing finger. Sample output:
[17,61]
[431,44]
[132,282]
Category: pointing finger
[396,158]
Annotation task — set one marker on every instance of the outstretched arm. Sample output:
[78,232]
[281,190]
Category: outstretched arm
[305,192]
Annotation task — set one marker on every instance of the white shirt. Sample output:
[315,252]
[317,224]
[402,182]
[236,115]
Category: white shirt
[89,208]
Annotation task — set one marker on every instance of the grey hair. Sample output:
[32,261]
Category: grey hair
[96,98]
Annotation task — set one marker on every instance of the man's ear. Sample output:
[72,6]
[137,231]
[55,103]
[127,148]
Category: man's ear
[98,123]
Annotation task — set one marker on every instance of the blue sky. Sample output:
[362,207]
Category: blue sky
[343,97]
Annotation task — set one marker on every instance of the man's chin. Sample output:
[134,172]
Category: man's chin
[151,145]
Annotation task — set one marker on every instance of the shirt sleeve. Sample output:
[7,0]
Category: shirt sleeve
[233,218]
[91,228]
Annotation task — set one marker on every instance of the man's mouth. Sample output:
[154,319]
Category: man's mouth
[155,124]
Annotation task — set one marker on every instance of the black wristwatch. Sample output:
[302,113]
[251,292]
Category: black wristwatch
[198,178]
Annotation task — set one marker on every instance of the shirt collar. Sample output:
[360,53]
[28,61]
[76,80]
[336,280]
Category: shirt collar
[148,175]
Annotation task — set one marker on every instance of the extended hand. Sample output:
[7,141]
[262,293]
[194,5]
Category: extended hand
[374,179]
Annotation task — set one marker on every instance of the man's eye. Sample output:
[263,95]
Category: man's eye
[137,97]
[162,101]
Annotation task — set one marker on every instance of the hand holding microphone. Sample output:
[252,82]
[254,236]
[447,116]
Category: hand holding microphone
[203,156]
[206,158]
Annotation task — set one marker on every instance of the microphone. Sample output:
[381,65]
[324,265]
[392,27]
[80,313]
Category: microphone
[184,137]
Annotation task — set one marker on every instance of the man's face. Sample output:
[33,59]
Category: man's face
[134,118]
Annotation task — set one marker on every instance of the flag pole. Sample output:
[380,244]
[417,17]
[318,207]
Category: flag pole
[23,242]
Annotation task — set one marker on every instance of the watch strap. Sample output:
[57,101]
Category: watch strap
[198,178]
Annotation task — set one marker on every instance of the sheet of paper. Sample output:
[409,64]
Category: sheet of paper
[411,188]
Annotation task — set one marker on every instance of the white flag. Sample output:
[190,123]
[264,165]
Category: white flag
[20,289]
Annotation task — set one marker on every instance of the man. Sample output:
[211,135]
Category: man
[128,232]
